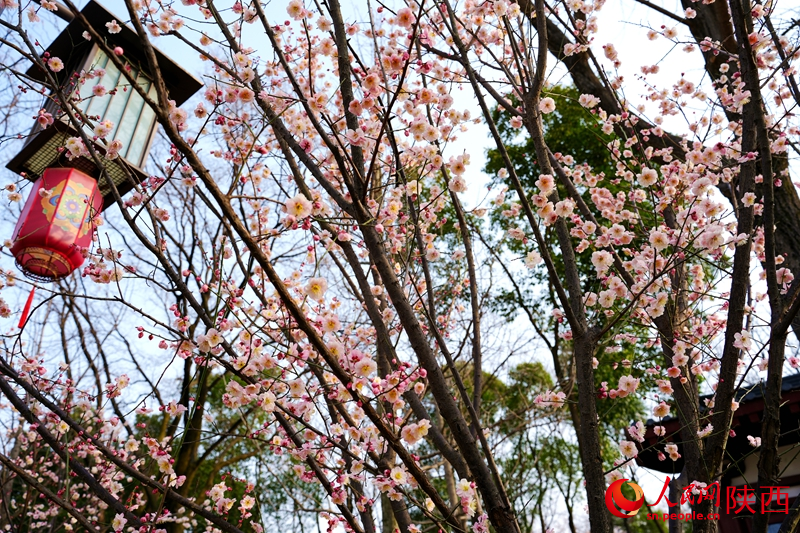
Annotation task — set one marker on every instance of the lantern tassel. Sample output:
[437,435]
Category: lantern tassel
[26,309]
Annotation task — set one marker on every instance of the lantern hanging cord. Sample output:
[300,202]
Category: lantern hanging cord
[26,310]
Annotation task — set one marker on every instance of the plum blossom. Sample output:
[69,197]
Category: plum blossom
[118,524]
[680,359]
[55,64]
[672,451]
[413,433]
[46,193]
[366,367]
[647,177]
[661,410]
[113,27]
[532,259]
[466,491]
[550,399]
[44,118]
[103,128]
[610,51]
[784,277]
[664,386]
[628,449]
[75,147]
[177,116]
[606,298]
[458,184]
[516,233]
[175,409]
[659,240]
[481,525]
[432,254]
[546,184]
[299,207]
[209,341]
[547,105]
[113,148]
[627,385]
[268,401]
[296,10]
[705,432]
[398,475]
[743,340]
[247,502]
[588,100]
[331,323]
[217,491]
[315,288]
[405,17]
[637,431]
[602,261]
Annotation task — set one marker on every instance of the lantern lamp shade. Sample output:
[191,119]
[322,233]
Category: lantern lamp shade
[56,224]
[133,121]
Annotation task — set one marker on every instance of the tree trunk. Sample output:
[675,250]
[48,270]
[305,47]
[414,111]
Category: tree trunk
[791,524]
[7,480]
[589,436]
[676,487]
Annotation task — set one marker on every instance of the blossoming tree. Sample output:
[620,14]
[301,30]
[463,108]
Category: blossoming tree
[307,253]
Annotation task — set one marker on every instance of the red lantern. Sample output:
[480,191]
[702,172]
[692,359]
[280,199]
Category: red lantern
[56,224]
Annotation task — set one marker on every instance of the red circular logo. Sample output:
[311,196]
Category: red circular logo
[621,506]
